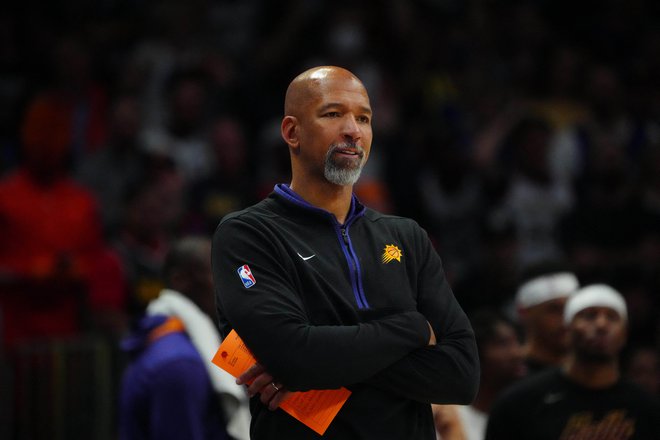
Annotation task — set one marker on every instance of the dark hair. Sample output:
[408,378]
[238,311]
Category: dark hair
[484,323]
[185,254]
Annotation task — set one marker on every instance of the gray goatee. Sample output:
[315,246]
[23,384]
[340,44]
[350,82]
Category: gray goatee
[343,172]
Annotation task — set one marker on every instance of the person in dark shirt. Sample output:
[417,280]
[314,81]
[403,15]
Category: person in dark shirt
[501,360]
[327,293]
[539,302]
[587,398]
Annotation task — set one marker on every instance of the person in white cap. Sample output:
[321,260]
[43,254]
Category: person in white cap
[540,304]
[587,398]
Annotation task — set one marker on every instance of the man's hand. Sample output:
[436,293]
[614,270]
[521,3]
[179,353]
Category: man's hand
[259,381]
[432,340]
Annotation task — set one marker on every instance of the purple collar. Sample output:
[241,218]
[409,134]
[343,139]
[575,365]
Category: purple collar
[356,210]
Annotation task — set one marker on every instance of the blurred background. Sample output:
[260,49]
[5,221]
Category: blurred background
[514,132]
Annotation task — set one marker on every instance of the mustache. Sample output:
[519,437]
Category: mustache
[346,145]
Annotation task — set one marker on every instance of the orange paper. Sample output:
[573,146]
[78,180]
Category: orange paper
[315,408]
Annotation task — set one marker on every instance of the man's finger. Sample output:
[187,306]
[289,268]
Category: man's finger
[249,374]
[259,383]
[269,391]
[278,398]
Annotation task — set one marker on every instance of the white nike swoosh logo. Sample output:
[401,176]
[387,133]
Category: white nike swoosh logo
[306,258]
[551,398]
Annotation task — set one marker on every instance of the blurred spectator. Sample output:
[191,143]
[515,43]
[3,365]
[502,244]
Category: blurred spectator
[111,171]
[451,203]
[171,390]
[274,164]
[559,77]
[80,100]
[588,397]
[182,134]
[230,187]
[153,212]
[86,99]
[151,221]
[535,203]
[606,127]
[648,253]
[494,280]
[641,365]
[539,302]
[502,363]
[56,267]
[603,232]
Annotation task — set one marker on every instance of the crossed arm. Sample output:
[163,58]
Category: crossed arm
[259,381]
[398,353]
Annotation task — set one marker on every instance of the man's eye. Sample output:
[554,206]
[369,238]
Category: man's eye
[363,119]
[332,114]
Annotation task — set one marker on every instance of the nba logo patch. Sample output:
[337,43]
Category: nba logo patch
[246,276]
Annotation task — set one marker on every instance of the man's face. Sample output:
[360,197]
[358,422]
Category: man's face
[335,130]
[502,356]
[546,321]
[597,334]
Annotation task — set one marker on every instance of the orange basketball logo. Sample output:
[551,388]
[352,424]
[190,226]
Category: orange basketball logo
[391,253]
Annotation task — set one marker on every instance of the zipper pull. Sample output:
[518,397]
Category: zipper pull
[344,235]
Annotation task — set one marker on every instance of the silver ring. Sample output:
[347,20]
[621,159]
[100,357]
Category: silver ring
[275,386]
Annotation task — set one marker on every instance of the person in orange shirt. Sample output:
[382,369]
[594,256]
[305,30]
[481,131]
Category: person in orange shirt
[53,261]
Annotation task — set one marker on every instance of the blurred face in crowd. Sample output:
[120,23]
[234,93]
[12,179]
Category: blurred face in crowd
[230,146]
[126,120]
[201,282]
[597,334]
[644,369]
[502,359]
[328,125]
[46,137]
[532,151]
[187,106]
[546,322]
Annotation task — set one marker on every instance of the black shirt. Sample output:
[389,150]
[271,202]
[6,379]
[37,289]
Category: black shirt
[549,406]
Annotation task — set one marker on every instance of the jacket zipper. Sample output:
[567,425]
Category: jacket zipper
[354,270]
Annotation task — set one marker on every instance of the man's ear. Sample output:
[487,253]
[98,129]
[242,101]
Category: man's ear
[289,131]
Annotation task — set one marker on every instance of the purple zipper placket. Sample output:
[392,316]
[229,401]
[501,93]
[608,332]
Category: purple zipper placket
[343,237]
[353,262]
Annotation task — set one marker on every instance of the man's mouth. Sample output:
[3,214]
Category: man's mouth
[349,151]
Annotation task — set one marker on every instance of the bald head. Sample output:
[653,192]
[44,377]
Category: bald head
[312,83]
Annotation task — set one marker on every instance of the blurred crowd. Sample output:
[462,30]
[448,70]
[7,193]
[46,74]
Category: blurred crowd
[514,132]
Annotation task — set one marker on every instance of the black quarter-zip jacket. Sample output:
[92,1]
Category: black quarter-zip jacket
[324,305]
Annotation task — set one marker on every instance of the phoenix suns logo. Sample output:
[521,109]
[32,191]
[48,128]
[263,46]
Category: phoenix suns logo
[390,253]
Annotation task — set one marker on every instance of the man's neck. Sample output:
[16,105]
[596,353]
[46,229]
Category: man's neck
[335,199]
[539,353]
[594,374]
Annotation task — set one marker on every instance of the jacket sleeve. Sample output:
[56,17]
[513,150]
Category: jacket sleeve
[272,322]
[449,371]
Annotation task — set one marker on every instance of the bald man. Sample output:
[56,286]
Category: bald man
[328,293]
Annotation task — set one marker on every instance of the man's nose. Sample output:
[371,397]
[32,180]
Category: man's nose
[350,127]
[602,321]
